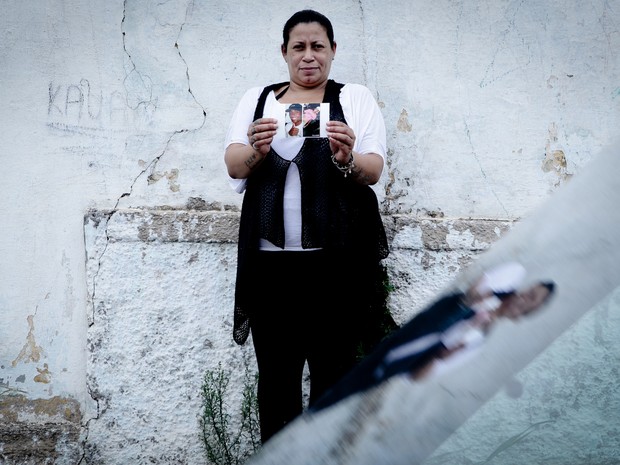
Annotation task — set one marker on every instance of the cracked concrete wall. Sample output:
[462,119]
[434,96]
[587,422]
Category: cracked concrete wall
[161,316]
[124,105]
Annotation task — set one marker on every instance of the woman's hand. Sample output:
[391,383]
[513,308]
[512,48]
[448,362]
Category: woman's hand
[261,133]
[341,140]
[242,159]
[364,168]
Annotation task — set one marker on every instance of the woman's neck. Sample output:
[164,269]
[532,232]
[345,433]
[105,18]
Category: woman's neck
[300,94]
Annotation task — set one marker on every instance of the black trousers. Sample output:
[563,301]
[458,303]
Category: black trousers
[304,307]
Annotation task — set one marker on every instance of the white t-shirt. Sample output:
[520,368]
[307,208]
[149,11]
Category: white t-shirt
[363,116]
[289,125]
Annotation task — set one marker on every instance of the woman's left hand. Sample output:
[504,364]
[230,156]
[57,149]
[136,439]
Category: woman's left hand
[341,140]
[260,134]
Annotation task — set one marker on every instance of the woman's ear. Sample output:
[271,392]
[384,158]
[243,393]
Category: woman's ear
[283,50]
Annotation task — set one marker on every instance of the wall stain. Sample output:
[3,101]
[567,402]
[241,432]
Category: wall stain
[39,430]
[555,158]
[172,177]
[403,122]
[44,375]
[54,409]
[31,352]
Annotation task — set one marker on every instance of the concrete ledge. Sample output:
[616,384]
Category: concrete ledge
[39,431]
[221,226]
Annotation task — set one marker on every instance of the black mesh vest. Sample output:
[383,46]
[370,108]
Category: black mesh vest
[338,214]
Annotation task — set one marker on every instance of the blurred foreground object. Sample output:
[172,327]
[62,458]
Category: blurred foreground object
[574,240]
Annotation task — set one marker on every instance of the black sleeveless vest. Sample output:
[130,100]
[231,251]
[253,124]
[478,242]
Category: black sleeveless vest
[338,214]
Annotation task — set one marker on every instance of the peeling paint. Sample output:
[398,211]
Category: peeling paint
[403,124]
[44,375]
[434,235]
[427,261]
[40,430]
[555,160]
[30,352]
[56,409]
[171,176]
[184,226]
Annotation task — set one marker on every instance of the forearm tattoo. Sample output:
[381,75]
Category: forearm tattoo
[359,176]
[252,160]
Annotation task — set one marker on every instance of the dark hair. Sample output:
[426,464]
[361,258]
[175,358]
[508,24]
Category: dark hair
[501,295]
[307,16]
[550,285]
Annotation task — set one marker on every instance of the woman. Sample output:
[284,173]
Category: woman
[310,237]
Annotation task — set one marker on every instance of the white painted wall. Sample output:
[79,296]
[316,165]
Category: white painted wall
[489,107]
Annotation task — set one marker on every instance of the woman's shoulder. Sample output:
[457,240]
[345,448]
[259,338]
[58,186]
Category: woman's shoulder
[355,86]
[356,92]
[253,92]
[250,97]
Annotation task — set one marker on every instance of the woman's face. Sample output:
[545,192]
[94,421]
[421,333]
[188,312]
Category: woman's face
[308,55]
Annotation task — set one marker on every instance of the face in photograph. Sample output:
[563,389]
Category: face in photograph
[295,116]
[525,302]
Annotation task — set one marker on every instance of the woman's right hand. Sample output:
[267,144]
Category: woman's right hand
[261,133]
[241,159]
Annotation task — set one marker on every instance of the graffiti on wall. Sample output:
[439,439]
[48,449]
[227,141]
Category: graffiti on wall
[80,109]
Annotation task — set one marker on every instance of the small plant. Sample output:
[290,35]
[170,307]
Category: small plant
[377,320]
[222,445]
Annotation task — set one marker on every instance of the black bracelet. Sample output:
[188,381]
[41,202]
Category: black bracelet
[347,168]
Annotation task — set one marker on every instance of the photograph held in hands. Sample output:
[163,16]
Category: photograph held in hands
[304,119]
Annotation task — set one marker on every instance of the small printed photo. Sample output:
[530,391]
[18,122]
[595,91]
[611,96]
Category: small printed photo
[304,119]
[312,120]
[293,126]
